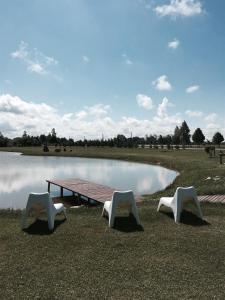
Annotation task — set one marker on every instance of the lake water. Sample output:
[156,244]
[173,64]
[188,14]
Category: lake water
[20,175]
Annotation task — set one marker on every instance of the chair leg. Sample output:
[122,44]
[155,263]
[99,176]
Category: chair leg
[111,221]
[64,212]
[134,211]
[176,216]
[51,221]
[103,212]
[24,219]
[159,205]
[199,210]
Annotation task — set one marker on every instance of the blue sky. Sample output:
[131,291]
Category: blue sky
[91,67]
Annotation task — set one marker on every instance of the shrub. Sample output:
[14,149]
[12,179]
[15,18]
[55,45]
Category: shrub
[45,148]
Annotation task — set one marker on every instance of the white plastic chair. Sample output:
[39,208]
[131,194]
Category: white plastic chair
[125,198]
[177,202]
[37,202]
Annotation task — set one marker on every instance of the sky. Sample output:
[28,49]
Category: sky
[91,68]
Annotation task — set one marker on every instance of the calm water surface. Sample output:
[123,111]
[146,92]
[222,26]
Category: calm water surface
[20,175]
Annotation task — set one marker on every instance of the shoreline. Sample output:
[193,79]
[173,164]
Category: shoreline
[193,167]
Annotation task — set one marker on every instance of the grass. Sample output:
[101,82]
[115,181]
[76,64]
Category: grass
[84,259]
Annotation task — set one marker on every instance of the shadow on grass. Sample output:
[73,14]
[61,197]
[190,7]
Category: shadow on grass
[126,224]
[40,227]
[188,218]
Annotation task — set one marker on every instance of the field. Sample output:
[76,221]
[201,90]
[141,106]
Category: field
[84,259]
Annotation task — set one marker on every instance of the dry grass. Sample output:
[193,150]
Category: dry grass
[84,259]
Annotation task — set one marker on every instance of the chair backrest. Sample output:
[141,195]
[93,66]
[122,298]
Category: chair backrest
[184,194]
[122,198]
[38,201]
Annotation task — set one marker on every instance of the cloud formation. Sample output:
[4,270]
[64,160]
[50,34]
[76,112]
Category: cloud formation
[144,101]
[162,108]
[162,83]
[194,114]
[192,89]
[35,61]
[174,44]
[17,115]
[175,8]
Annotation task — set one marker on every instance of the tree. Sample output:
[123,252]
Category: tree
[198,136]
[3,140]
[176,136]
[217,138]
[53,136]
[160,140]
[121,140]
[184,134]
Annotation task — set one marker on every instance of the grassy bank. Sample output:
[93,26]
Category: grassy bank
[194,165]
[84,259]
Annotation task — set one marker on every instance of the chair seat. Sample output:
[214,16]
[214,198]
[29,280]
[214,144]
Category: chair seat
[166,200]
[181,197]
[107,205]
[58,206]
[37,201]
[120,199]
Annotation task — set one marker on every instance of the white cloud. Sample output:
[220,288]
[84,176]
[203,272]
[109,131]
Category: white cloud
[86,59]
[194,114]
[127,60]
[163,120]
[174,44]
[162,108]
[35,61]
[192,89]
[162,84]
[211,118]
[17,115]
[185,8]
[98,110]
[144,101]
[81,114]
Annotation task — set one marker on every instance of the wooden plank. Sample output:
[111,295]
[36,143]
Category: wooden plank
[85,188]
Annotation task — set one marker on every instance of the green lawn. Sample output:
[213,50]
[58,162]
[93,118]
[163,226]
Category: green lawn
[84,259]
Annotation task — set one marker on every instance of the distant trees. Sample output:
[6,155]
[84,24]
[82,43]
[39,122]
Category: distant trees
[176,136]
[217,138]
[181,136]
[185,134]
[3,140]
[198,136]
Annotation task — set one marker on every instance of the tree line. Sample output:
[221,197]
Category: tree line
[181,136]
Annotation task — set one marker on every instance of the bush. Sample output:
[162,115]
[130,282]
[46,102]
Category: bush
[207,149]
[45,148]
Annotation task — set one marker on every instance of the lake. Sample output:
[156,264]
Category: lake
[22,174]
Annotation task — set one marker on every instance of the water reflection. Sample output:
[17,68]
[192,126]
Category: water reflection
[23,174]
